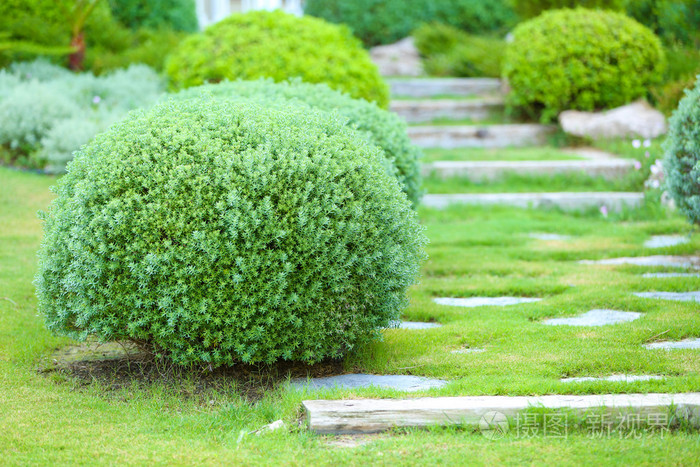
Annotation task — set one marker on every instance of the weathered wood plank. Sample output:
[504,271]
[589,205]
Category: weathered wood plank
[376,415]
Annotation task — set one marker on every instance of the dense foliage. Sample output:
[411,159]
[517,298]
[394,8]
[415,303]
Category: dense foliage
[386,21]
[580,59]
[277,45]
[531,8]
[675,21]
[179,15]
[448,51]
[382,128]
[47,112]
[220,232]
[682,161]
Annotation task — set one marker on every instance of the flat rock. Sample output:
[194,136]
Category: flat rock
[548,237]
[414,325]
[613,378]
[568,201]
[359,380]
[480,136]
[672,345]
[669,274]
[461,351]
[472,302]
[663,241]
[432,87]
[637,119]
[677,296]
[657,260]
[398,59]
[595,318]
[426,110]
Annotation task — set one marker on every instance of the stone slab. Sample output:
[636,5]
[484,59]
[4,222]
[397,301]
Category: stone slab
[595,318]
[656,260]
[492,170]
[677,296]
[398,59]
[485,136]
[549,237]
[405,383]
[673,345]
[461,351]
[663,275]
[376,415]
[613,378]
[613,201]
[427,110]
[471,302]
[414,325]
[664,241]
[443,86]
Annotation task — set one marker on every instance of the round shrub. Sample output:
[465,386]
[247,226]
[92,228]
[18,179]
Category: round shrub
[378,22]
[682,161]
[221,232]
[382,128]
[277,45]
[580,59]
[179,15]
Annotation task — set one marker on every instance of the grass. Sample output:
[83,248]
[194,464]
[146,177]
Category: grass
[534,153]
[59,418]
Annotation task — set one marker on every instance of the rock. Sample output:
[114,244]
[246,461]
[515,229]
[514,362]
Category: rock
[663,241]
[613,378]
[595,318]
[549,237]
[658,260]
[398,59]
[637,119]
[664,275]
[459,351]
[671,345]
[414,325]
[472,302]
[677,296]
[352,381]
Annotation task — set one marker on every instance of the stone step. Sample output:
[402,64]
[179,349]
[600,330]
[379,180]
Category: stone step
[494,413]
[431,87]
[420,111]
[571,201]
[492,170]
[479,136]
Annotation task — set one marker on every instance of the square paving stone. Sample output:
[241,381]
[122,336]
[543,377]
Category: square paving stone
[677,296]
[472,302]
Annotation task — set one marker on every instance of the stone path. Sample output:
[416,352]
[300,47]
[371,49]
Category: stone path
[664,241]
[613,378]
[405,383]
[472,302]
[414,325]
[669,274]
[427,110]
[685,262]
[595,318]
[434,87]
[477,171]
[677,296]
[671,345]
[570,201]
[480,136]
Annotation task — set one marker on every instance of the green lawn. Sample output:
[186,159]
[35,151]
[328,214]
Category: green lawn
[535,153]
[51,417]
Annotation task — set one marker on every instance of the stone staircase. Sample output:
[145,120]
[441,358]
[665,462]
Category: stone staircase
[476,100]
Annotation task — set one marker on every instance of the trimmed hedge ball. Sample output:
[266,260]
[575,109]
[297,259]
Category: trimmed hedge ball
[580,59]
[682,161]
[280,46]
[382,128]
[224,232]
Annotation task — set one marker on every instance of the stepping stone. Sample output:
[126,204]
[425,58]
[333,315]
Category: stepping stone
[549,237]
[663,241]
[461,351]
[352,381]
[477,171]
[678,296]
[414,325]
[670,274]
[658,260]
[472,302]
[671,345]
[443,86]
[376,415]
[614,201]
[589,153]
[613,378]
[484,136]
[426,110]
[595,318]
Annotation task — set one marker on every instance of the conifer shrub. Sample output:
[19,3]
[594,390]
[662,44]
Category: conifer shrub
[277,45]
[219,232]
[382,128]
[179,15]
[682,161]
[580,59]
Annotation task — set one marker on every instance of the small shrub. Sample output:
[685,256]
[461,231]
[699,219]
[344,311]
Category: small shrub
[179,15]
[682,161]
[382,128]
[580,59]
[378,22]
[532,8]
[219,232]
[451,52]
[277,45]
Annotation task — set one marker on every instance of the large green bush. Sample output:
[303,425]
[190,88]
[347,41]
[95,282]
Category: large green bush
[179,15]
[382,128]
[386,21]
[279,46]
[221,231]
[531,8]
[682,161]
[580,59]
